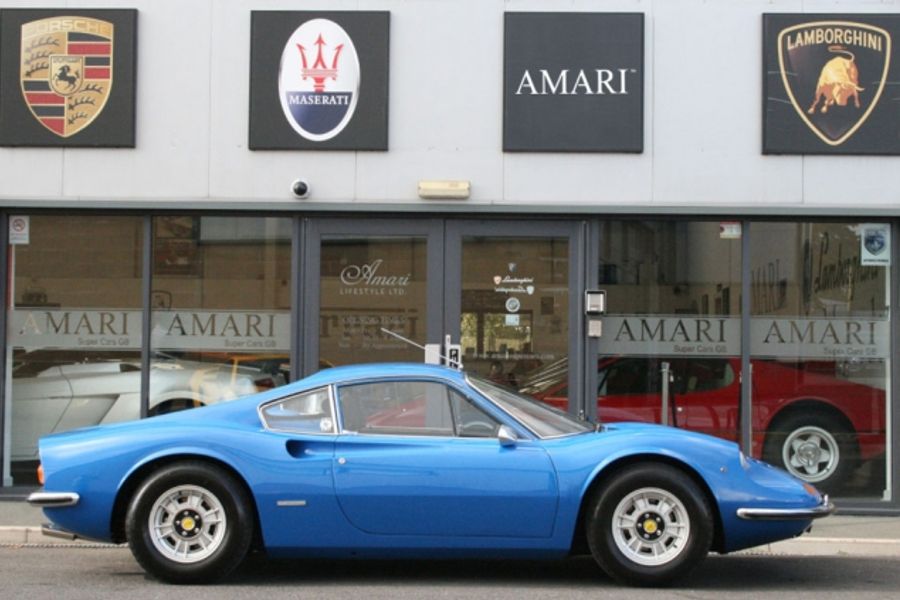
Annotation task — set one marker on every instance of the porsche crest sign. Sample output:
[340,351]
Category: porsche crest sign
[75,77]
[66,71]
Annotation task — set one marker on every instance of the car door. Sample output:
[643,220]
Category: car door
[419,458]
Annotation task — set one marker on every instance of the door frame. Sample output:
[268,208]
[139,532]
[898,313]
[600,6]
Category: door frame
[318,230]
[574,231]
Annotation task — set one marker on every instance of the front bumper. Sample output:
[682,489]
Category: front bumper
[823,509]
[53,499]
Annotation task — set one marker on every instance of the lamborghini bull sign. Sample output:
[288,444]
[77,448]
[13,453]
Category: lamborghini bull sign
[832,70]
[819,60]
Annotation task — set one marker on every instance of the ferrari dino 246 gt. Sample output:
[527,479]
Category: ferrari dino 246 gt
[411,461]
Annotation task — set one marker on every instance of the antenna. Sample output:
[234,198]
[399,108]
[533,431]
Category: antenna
[451,361]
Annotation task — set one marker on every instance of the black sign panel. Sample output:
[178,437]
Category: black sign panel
[319,80]
[573,82]
[830,84]
[67,77]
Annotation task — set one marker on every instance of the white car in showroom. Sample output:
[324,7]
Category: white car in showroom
[51,396]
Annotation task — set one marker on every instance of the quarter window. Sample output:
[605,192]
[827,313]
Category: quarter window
[309,412]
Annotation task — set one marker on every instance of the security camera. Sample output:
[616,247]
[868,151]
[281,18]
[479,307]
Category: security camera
[300,188]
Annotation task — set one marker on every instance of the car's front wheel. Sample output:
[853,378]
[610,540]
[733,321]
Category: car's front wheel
[190,522]
[649,525]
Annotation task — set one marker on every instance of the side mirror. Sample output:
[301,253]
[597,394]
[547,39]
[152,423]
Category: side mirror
[507,436]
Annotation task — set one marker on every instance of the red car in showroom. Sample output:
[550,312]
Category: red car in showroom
[812,423]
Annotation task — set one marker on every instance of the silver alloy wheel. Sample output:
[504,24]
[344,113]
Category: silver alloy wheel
[187,524]
[651,526]
[811,453]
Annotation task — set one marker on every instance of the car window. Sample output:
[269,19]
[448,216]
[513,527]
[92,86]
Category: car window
[629,376]
[412,408]
[309,412]
[470,420]
[541,419]
[705,375]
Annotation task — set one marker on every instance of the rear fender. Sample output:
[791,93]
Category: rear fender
[140,471]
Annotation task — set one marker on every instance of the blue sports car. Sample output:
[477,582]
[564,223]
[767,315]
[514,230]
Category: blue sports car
[411,461]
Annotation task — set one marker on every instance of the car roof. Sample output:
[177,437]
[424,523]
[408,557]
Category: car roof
[337,375]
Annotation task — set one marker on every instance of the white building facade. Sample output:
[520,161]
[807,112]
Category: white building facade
[490,164]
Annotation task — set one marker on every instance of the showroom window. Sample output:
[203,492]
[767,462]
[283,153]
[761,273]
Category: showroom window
[671,338]
[221,301]
[820,352]
[73,331]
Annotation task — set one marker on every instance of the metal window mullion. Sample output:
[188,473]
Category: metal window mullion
[893,425]
[4,290]
[591,345]
[745,434]
[297,297]
[146,314]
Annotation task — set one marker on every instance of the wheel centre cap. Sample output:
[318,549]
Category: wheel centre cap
[809,453]
[650,526]
[188,523]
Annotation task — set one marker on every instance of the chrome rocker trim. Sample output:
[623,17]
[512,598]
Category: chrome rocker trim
[53,499]
[825,508]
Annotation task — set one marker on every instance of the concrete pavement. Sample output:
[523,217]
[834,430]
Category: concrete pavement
[837,535]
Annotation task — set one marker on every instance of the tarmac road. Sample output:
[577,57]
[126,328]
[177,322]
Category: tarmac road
[96,573]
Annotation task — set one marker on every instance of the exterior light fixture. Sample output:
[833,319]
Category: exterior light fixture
[444,190]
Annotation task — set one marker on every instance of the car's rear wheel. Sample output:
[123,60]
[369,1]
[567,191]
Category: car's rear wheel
[190,522]
[649,525]
[814,447]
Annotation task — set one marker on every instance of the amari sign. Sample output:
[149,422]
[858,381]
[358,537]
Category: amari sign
[825,81]
[573,82]
[770,337]
[172,330]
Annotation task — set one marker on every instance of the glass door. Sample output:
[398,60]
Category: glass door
[513,295]
[365,279]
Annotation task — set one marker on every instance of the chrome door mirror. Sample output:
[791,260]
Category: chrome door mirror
[507,436]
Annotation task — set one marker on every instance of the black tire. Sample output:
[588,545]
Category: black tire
[197,542]
[813,446]
[675,520]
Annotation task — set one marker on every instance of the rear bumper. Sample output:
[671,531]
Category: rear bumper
[823,509]
[53,499]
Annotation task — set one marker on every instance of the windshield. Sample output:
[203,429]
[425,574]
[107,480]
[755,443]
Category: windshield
[543,420]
